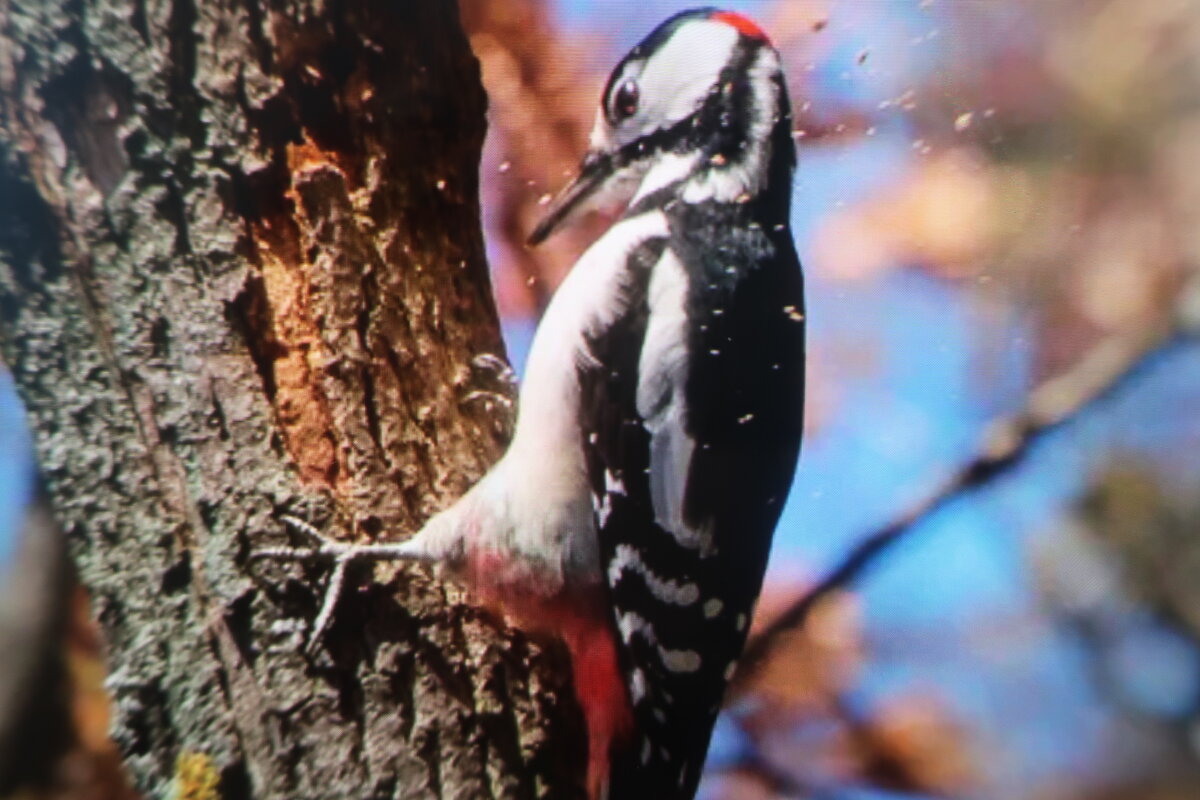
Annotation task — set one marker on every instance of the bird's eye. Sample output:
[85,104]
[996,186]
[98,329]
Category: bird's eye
[625,104]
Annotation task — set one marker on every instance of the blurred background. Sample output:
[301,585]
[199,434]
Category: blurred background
[991,199]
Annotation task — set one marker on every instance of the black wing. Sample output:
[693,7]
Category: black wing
[686,503]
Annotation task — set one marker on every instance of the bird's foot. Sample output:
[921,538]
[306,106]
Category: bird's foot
[501,373]
[342,554]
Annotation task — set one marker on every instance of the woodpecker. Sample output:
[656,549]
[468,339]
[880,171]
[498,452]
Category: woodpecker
[660,415]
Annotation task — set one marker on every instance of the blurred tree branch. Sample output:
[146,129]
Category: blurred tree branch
[1112,365]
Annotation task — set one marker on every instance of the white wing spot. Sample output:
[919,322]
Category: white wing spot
[630,623]
[681,660]
[713,607]
[637,685]
[668,591]
[741,622]
[645,749]
[603,508]
[613,484]
[732,668]
[742,420]
[674,660]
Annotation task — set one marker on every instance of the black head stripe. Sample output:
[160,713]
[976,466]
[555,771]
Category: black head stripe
[658,141]
[725,117]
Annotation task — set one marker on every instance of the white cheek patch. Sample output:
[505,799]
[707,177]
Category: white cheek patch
[678,76]
[667,169]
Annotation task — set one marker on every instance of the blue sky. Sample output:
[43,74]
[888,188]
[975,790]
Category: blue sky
[16,465]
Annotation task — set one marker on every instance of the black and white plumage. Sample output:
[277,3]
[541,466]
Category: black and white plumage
[660,415]
[691,389]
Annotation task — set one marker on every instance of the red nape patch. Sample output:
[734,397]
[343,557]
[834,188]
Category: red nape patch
[743,25]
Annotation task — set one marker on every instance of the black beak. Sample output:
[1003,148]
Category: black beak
[596,167]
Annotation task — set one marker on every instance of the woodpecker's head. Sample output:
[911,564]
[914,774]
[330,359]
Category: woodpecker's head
[698,106]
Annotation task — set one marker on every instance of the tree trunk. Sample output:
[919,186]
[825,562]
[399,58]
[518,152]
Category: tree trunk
[242,276]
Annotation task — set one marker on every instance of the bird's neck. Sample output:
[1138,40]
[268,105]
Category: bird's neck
[732,166]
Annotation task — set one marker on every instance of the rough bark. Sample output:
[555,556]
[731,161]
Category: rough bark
[241,275]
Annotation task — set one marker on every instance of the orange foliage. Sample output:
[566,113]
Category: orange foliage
[542,95]
[940,215]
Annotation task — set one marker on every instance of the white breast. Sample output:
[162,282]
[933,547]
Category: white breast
[543,473]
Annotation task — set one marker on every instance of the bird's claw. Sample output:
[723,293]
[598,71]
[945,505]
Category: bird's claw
[493,362]
[342,553]
[324,547]
[496,397]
